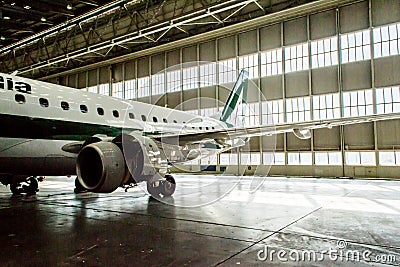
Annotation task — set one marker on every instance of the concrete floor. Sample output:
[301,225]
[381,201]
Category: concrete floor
[286,221]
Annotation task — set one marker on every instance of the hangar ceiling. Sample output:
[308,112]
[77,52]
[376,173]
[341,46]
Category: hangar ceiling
[93,31]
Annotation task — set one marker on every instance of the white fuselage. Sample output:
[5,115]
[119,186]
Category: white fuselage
[39,118]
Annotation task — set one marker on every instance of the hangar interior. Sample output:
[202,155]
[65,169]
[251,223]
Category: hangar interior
[311,60]
[316,61]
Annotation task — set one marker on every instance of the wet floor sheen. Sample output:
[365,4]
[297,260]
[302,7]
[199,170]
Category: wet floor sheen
[211,221]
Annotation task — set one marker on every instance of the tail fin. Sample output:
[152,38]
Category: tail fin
[234,110]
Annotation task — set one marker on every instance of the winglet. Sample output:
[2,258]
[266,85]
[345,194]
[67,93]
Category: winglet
[234,110]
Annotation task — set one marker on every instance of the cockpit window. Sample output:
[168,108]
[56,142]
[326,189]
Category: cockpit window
[44,102]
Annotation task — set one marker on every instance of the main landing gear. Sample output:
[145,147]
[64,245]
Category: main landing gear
[164,188]
[29,186]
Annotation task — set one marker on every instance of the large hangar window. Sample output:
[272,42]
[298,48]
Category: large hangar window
[271,62]
[358,103]
[326,106]
[173,81]
[298,109]
[189,78]
[130,89]
[324,53]
[272,112]
[104,89]
[358,158]
[300,158]
[158,84]
[227,71]
[386,40]
[208,74]
[118,90]
[389,158]
[355,46]
[328,158]
[296,58]
[388,100]
[250,63]
[143,86]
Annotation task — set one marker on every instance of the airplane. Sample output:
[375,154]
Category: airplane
[53,130]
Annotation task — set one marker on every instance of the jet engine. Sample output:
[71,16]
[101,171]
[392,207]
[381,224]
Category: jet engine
[101,167]
[105,165]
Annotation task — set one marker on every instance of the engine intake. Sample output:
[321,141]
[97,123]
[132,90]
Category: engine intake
[101,167]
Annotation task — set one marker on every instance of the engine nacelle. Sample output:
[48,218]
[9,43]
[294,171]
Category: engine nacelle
[101,167]
[143,157]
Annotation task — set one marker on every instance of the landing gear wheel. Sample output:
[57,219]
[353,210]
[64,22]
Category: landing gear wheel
[168,186]
[79,187]
[16,189]
[32,186]
[153,189]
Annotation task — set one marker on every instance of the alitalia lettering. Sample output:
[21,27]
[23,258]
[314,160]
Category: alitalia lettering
[10,84]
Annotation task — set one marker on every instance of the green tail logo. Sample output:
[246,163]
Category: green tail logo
[234,110]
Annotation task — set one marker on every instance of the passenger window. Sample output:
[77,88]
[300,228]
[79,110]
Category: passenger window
[64,105]
[131,116]
[44,102]
[175,121]
[20,99]
[100,111]
[84,108]
[155,119]
[207,128]
[143,118]
[115,113]
[201,128]
[165,120]
[213,128]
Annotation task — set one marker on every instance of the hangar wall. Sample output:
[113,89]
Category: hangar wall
[334,63]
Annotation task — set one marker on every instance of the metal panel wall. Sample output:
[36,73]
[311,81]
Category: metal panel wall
[323,25]
[354,17]
[226,47]
[207,51]
[385,12]
[143,67]
[270,37]
[248,42]
[295,31]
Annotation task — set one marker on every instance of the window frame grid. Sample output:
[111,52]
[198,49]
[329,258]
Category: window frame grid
[352,50]
[271,62]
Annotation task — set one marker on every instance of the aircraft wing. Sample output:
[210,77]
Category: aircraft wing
[301,129]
